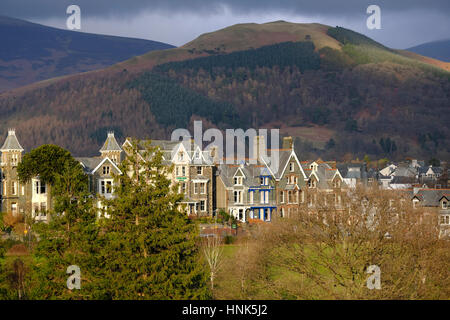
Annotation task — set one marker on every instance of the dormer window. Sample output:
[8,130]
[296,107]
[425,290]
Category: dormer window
[237,181]
[291,167]
[415,202]
[444,204]
[312,183]
[337,183]
[106,170]
[181,156]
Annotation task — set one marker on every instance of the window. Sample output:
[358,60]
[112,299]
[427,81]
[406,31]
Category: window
[312,183]
[203,188]
[264,196]
[291,167]
[337,183]
[199,170]
[106,170]
[415,202]
[251,195]
[180,156]
[281,196]
[237,181]
[202,205]
[106,187]
[183,171]
[196,190]
[444,204]
[43,210]
[237,196]
[290,197]
[183,187]
[445,219]
[14,188]
[14,159]
[14,208]
[40,187]
[4,188]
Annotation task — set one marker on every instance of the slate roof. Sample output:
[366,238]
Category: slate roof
[324,173]
[252,174]
[283,157]
[430,197]
[402,171]
[11,142]
[110,144]
[89,164]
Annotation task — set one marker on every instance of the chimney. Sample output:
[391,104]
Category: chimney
[259,146]
[287,142]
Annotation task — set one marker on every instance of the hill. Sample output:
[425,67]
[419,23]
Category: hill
[32,52]
[335,90]
[437,49]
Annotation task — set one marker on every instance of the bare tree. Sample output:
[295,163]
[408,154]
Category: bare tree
[213,254]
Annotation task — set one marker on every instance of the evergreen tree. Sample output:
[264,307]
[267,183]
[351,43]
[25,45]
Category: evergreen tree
[150,247]
[69,238]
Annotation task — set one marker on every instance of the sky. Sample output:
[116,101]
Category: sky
[404,23]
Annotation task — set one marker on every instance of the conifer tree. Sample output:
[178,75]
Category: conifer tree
[70,237]
[150,248]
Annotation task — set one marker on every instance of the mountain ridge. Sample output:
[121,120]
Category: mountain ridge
[439,49]
[33,52]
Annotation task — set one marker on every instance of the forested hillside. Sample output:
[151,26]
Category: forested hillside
[336,91]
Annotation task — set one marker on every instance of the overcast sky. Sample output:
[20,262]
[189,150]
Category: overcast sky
[404,23]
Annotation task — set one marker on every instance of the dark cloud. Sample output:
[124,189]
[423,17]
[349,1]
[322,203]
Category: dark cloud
[54,8]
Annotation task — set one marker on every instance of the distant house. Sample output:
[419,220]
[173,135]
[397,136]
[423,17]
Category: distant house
[101,170]
[19,198]
[354,174]
[434,202]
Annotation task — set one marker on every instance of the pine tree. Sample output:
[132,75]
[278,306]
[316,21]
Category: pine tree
[150,248]
[69,238]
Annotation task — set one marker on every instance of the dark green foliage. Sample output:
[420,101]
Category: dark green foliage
[46,161]
[346,36]
[173,105]
[316,115]
[388,146]
[351,125]
[434,162]
[149,249]
[287,54]
[330,144]
[229,239]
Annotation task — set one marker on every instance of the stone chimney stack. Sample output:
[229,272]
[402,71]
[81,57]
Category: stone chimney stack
[288,143]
